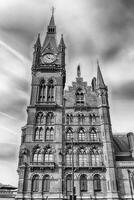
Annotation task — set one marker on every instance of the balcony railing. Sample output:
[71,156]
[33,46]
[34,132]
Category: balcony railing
[98,140]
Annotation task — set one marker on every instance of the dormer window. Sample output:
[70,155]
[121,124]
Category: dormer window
[79,96]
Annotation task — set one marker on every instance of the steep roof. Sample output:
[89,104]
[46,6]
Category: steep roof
[120,143]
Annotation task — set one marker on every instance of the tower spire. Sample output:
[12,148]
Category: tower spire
[100,81]
[78,71]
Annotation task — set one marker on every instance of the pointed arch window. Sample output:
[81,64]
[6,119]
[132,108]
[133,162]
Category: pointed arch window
[81,118]
[39,133]
[49,133]
[96,157]
[46,183]
[50,91]
[49,157]
[93,135]
[37,156]
[81,135]
[69,157]
[50,118]
[79,96]
[35,183]
[69,118]
[69,184]
[82,155]
[97,183]
[83,183]
[42,91]
[69,134]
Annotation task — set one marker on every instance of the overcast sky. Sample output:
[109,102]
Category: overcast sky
[92,29]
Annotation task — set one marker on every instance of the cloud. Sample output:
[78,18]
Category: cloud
[8,152]
[125,91]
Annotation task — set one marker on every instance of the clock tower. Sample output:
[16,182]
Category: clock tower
[40,160]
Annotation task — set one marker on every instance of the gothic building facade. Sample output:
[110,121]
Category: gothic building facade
[67,144]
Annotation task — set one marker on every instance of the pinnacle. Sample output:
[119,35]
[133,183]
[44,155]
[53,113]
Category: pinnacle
[100,81]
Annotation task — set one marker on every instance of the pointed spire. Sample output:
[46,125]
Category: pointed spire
[37,43]
[62,43]
[78,71]
[100,81]
[52,23]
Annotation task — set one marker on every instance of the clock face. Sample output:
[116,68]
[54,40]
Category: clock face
[49,58]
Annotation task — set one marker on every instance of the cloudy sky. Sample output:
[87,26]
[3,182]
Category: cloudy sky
[92,29]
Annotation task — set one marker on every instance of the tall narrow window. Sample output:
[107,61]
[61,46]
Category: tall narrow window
[95,157]
[35,183]
[69,184]
[69,157]
[49,157]
[79,96]
[69,134]
[93,135]
[81,135]
[82,157]
[37,156]
[38,133]
[49,118]
[49,133]
[50,91]
[97,183]
[46,184]
[81,118]
[42,89]
[83,183]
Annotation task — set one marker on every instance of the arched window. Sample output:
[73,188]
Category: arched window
[50,118]
[83,183]
[93,135]
[42,90]
[97,183]
[69,184]
[69,118]
[92,118]
[82,157]
[69,157]
[49,157]
[46,183]
[38,133]
[49,133]
[35,183]
[79,96]
[81,134]
[95,157]
[37,156]
[81,118]
[69,134]
[50,91]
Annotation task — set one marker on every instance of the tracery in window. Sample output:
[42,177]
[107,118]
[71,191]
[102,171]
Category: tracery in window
[39,133]
[83,183]
[42,91]
[69,133]
[50,118]
[82,156]
[96,157]
[81,134]
[93,135]
[50,91]
[38,156]
[49,133]
[79,96]
[49,157]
